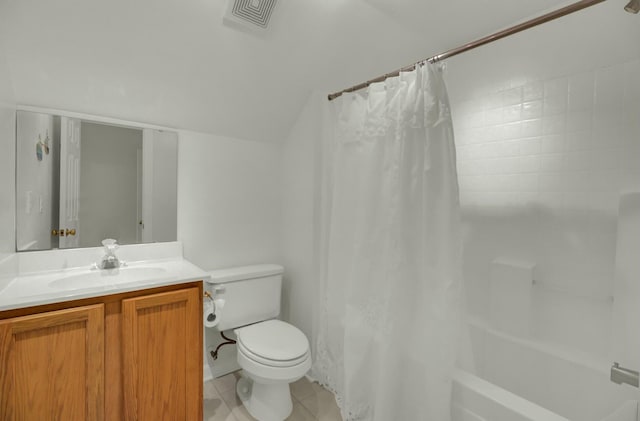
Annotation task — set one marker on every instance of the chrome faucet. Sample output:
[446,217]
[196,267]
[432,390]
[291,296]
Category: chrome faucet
[621,375]
[109,260]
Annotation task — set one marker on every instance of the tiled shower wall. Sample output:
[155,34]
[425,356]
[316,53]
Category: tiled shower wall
[569,142]
[541,166]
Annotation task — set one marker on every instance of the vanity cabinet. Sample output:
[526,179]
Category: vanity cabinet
[133,356]
[52,365]
[161,375]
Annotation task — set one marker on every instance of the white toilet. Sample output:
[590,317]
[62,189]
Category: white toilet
[272,353]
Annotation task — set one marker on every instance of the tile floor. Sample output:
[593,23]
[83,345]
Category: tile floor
[310,401]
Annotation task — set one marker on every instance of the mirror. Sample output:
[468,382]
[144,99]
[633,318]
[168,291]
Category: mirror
[79,182]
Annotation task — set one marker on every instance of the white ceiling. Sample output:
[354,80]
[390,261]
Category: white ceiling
[174,62]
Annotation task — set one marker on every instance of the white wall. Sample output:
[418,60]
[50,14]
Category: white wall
[164,189]
[548,135]
[108,191]
[300,156]
[7,159]
[229,200]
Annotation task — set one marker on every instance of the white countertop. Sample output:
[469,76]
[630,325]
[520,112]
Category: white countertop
[32,288]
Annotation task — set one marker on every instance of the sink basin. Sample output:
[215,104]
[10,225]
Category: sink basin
[98,277]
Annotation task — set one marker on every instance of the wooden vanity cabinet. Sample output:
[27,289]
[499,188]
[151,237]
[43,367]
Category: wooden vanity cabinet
[134,356]
[52,365]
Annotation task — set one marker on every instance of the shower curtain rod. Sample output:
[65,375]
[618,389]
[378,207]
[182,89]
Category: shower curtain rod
[574,7]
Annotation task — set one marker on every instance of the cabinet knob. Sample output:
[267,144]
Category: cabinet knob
[71,232]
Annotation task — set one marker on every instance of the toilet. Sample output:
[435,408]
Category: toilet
[272,353]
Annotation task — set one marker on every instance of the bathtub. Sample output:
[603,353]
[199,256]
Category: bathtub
[521,380]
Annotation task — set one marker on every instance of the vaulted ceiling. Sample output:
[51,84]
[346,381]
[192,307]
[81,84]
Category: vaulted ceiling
[174,62]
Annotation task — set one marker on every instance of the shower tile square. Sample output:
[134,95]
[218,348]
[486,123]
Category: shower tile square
[603,201]
[556,87]
[462,154]
[528,182]
[512,96]
[518,81]
[581,91]
[631,158]
[493,101]
[607,159]
[631,71]
[495,133]
[580,101]
[550,199]
[554,105]
[553,163]
[530,146]
[477,135]
[578,161]
[532,128]
[532,91]
[508,148]
[529,164]
[512,113]
[578,141]
[604,180]
[512,131]
[579,120]
[552,144]
[493,116]
[554,124]
[610,86]
[630,179]
[510,295]
[532,109]
[476,120]
[550,182]
[583,82]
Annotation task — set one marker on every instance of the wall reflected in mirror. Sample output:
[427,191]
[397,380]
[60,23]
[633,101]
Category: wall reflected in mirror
[79,182]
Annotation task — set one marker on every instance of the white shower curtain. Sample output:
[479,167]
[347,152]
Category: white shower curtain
[388,305]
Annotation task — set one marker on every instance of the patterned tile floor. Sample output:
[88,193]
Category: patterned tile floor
[310,401]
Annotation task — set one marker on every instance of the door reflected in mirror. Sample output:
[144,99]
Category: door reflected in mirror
[79,182]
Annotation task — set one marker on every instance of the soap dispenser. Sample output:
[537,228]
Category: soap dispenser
[109,260]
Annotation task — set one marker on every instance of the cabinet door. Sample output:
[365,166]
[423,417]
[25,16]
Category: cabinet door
[162,356]
[52,366]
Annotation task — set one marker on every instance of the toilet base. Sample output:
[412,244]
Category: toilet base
[265,402]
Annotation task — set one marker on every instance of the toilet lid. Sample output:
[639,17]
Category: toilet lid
[274,340]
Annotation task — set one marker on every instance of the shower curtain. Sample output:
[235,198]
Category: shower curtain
[388,303]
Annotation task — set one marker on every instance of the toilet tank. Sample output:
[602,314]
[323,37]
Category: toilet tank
[251,294]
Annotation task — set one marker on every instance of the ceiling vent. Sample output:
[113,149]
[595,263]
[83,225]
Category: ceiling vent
[252,14]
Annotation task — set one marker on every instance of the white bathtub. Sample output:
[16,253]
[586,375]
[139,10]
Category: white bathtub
[520,380]
[475,399]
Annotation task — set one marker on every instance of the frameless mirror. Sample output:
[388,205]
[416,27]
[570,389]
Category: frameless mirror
[79,182]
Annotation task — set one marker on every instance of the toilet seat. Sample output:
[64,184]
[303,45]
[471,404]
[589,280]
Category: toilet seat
[271,363]
[273,343]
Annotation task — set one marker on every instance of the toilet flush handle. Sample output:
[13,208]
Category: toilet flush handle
[217,289]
